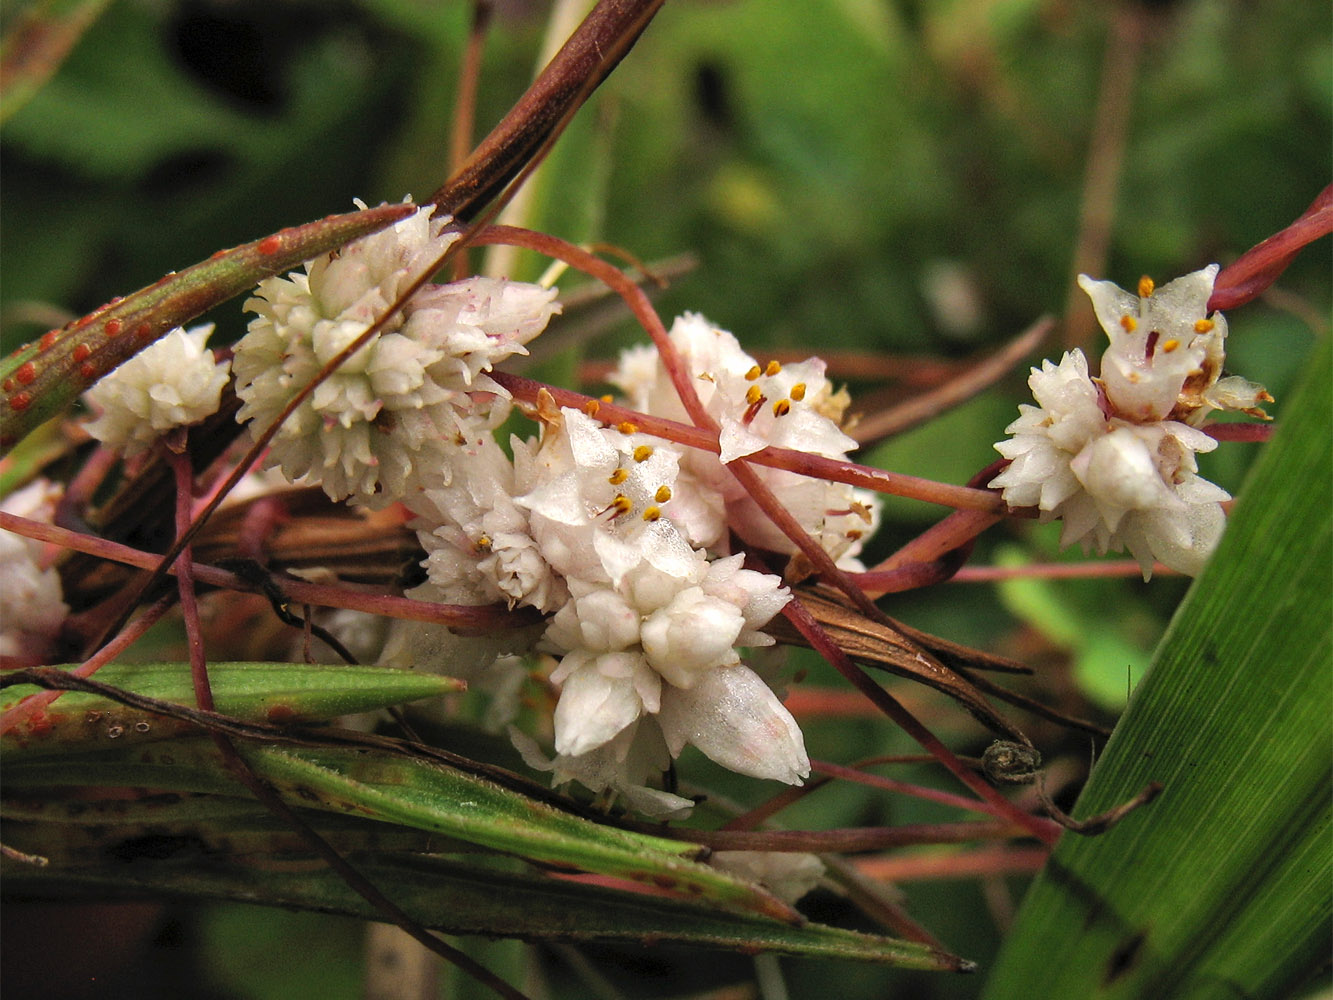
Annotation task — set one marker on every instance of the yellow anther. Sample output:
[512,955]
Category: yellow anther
[798,391]
[484,543]
[621,504]
[1146,287]
[753,374]
[1129,323]
[591,407]
[663,494]
[643,452]
[607,398]
[782,407]
[1203,325]
[651,514]
[753,394]
[625,427]
[617,477]
[853,535]
[1170,345]
[772,369]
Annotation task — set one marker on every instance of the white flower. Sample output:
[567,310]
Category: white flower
[478,544]
[663,647]
[603,501]
[1166,353]
[785,406]
[623,766]
[172,383]
[387,419]
[1114,456]
[32,608]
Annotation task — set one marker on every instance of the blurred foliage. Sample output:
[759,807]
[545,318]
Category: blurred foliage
[826,161]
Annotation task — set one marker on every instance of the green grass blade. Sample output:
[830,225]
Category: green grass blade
[414,793]
[1222,886]
[257,692]
[461,898]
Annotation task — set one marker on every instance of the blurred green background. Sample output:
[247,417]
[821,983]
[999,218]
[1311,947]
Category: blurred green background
[896,178]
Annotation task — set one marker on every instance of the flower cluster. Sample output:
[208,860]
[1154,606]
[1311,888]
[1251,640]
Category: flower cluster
[32,608]
[173,382]
[1114,456]
[395,408]
[623,540]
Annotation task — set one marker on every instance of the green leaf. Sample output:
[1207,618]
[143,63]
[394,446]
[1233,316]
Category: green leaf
[1220,887]
[415,792]
[463,898]
[260,692]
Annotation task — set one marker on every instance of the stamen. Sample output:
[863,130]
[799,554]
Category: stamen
[798,391]
[1151,344]
[754,395]
[484,543]
[753,374]
[1170,345]
[643,452]
[1129,323]
[620,504]
[607,398]
[663,494]
[1203,326]
[782,407]
[617,477]
[651,514]
[1146,287]
[625,427]
[772,369]
[591,407]
[751,412]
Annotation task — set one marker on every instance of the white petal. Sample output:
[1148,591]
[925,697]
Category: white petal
[735,719]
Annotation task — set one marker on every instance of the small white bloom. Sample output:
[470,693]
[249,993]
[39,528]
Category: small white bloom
[32,607]
[171,383]
[623,767]
[661,646]
[1166,352]
[1114,457]
[785,406]
[477,540]
[601,502]
[387,419]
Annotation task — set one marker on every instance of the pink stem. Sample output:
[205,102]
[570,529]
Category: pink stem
[184,570]
[980,861]
[466,619]
[999,806]
[1247,433]
[800,462]
[1058,571]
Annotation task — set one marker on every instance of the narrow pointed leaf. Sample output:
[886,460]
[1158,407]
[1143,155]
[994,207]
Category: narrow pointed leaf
[1220,888]
[457,898]
[260,692]
[420,794]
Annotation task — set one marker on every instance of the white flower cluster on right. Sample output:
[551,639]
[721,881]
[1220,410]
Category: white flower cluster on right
[1114,456]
